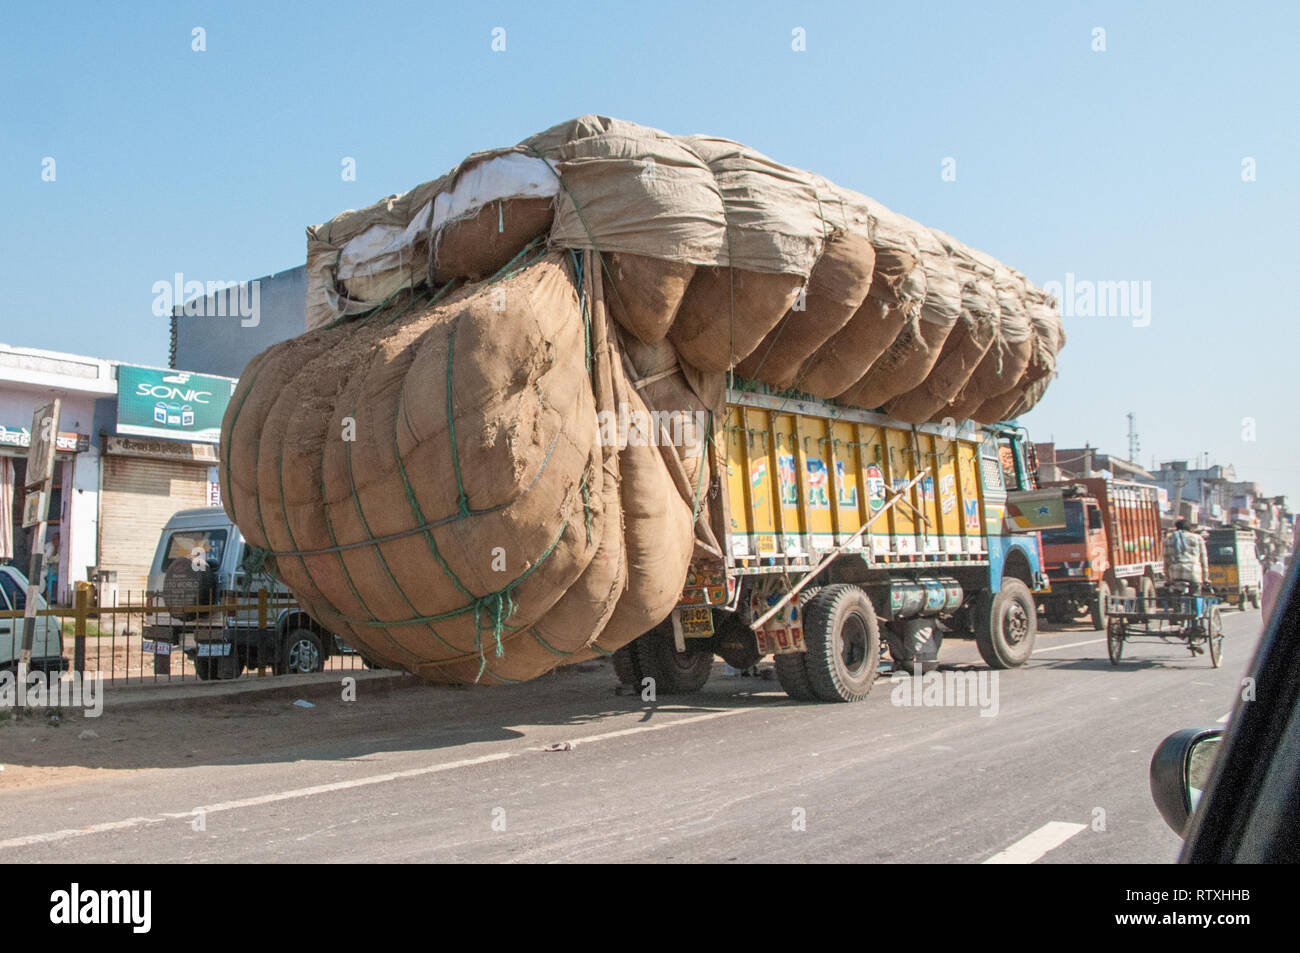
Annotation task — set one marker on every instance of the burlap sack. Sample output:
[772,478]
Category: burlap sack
[898,286]
[479,244]
[1047,340]
[837,288]
[645,293]
[726,312]
[374,533]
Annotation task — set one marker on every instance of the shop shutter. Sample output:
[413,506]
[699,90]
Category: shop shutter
[140,495]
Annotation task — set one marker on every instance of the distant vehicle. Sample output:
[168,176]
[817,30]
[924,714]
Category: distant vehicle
[47,648]
[1111,542]
[1235,573]
[202,559]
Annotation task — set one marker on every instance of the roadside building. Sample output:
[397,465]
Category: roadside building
[135,445]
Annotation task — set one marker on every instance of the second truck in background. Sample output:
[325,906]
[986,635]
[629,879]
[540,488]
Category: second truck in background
[1111,541]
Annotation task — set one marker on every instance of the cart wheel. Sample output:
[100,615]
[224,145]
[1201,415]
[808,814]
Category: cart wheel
[1115,640]
[1097,608]
[1216,637]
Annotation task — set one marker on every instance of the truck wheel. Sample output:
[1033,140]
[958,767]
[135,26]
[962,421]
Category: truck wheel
[301,653]
[1254,598]
[674,673]
[843,643]
[1098,607]
[1005,633]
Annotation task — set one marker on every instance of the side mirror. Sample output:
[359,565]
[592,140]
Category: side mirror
[1180,770]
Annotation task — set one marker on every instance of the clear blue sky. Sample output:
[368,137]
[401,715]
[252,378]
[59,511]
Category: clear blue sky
[1116,165]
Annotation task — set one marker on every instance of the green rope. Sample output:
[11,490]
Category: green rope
[461,495]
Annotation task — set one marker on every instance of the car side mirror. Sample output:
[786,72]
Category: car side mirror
[1180,770]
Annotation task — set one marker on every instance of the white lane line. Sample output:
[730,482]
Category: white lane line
[1071,645]
[130,822]
[1028,849]
[624,732]
[1223,720]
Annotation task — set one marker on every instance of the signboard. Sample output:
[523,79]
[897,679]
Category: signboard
[40,463]
[64,443]
[174,405]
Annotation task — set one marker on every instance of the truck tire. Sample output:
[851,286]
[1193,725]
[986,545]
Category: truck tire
[1005,632]
[1254,598]
[843,643]
[301,652]
[1097,609]
[656,657]
[792,669]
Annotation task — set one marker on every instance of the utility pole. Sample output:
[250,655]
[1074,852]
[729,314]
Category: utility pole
[1134,448]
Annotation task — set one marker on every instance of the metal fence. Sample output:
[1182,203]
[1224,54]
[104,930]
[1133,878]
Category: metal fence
[138,639]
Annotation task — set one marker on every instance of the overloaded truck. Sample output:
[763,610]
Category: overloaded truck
[1111,541]
[459,467]
[843,527]
[1235,573]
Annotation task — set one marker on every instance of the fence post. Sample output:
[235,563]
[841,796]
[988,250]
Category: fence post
[81,607]
[263,600]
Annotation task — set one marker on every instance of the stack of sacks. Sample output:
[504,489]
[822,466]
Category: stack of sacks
[737,261]
[437,489]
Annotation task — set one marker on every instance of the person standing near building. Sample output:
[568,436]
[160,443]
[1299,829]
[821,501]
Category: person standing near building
[1186,558]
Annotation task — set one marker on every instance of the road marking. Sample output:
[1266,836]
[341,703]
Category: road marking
[624,732]
[130,822]
[1028,849]
[1071,645]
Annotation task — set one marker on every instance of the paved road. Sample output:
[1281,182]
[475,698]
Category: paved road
[737,773]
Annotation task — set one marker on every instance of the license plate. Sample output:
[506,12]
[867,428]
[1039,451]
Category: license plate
[211,649]
[697,622]
[158,648]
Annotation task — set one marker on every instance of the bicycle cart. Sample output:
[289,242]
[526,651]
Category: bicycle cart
[1172,615]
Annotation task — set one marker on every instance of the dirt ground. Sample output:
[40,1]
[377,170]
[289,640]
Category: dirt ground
[35,751]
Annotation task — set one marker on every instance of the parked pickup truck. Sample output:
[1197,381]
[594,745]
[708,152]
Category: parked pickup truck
[837,528]
[1111,541]
[1234,566]
[202,560]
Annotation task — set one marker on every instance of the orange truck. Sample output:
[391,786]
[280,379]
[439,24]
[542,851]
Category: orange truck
[1111,541]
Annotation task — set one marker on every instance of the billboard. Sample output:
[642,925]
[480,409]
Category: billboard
[174,405]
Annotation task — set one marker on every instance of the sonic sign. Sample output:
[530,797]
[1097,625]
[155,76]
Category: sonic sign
[174,405]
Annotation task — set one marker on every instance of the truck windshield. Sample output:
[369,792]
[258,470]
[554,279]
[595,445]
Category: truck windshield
[1072,531]
[1222,554]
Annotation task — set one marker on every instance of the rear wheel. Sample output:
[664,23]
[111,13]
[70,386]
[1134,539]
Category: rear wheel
[1254,598]
[843,643]
[655,656]
[1216,637]
[1005,629]
[1098,607]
